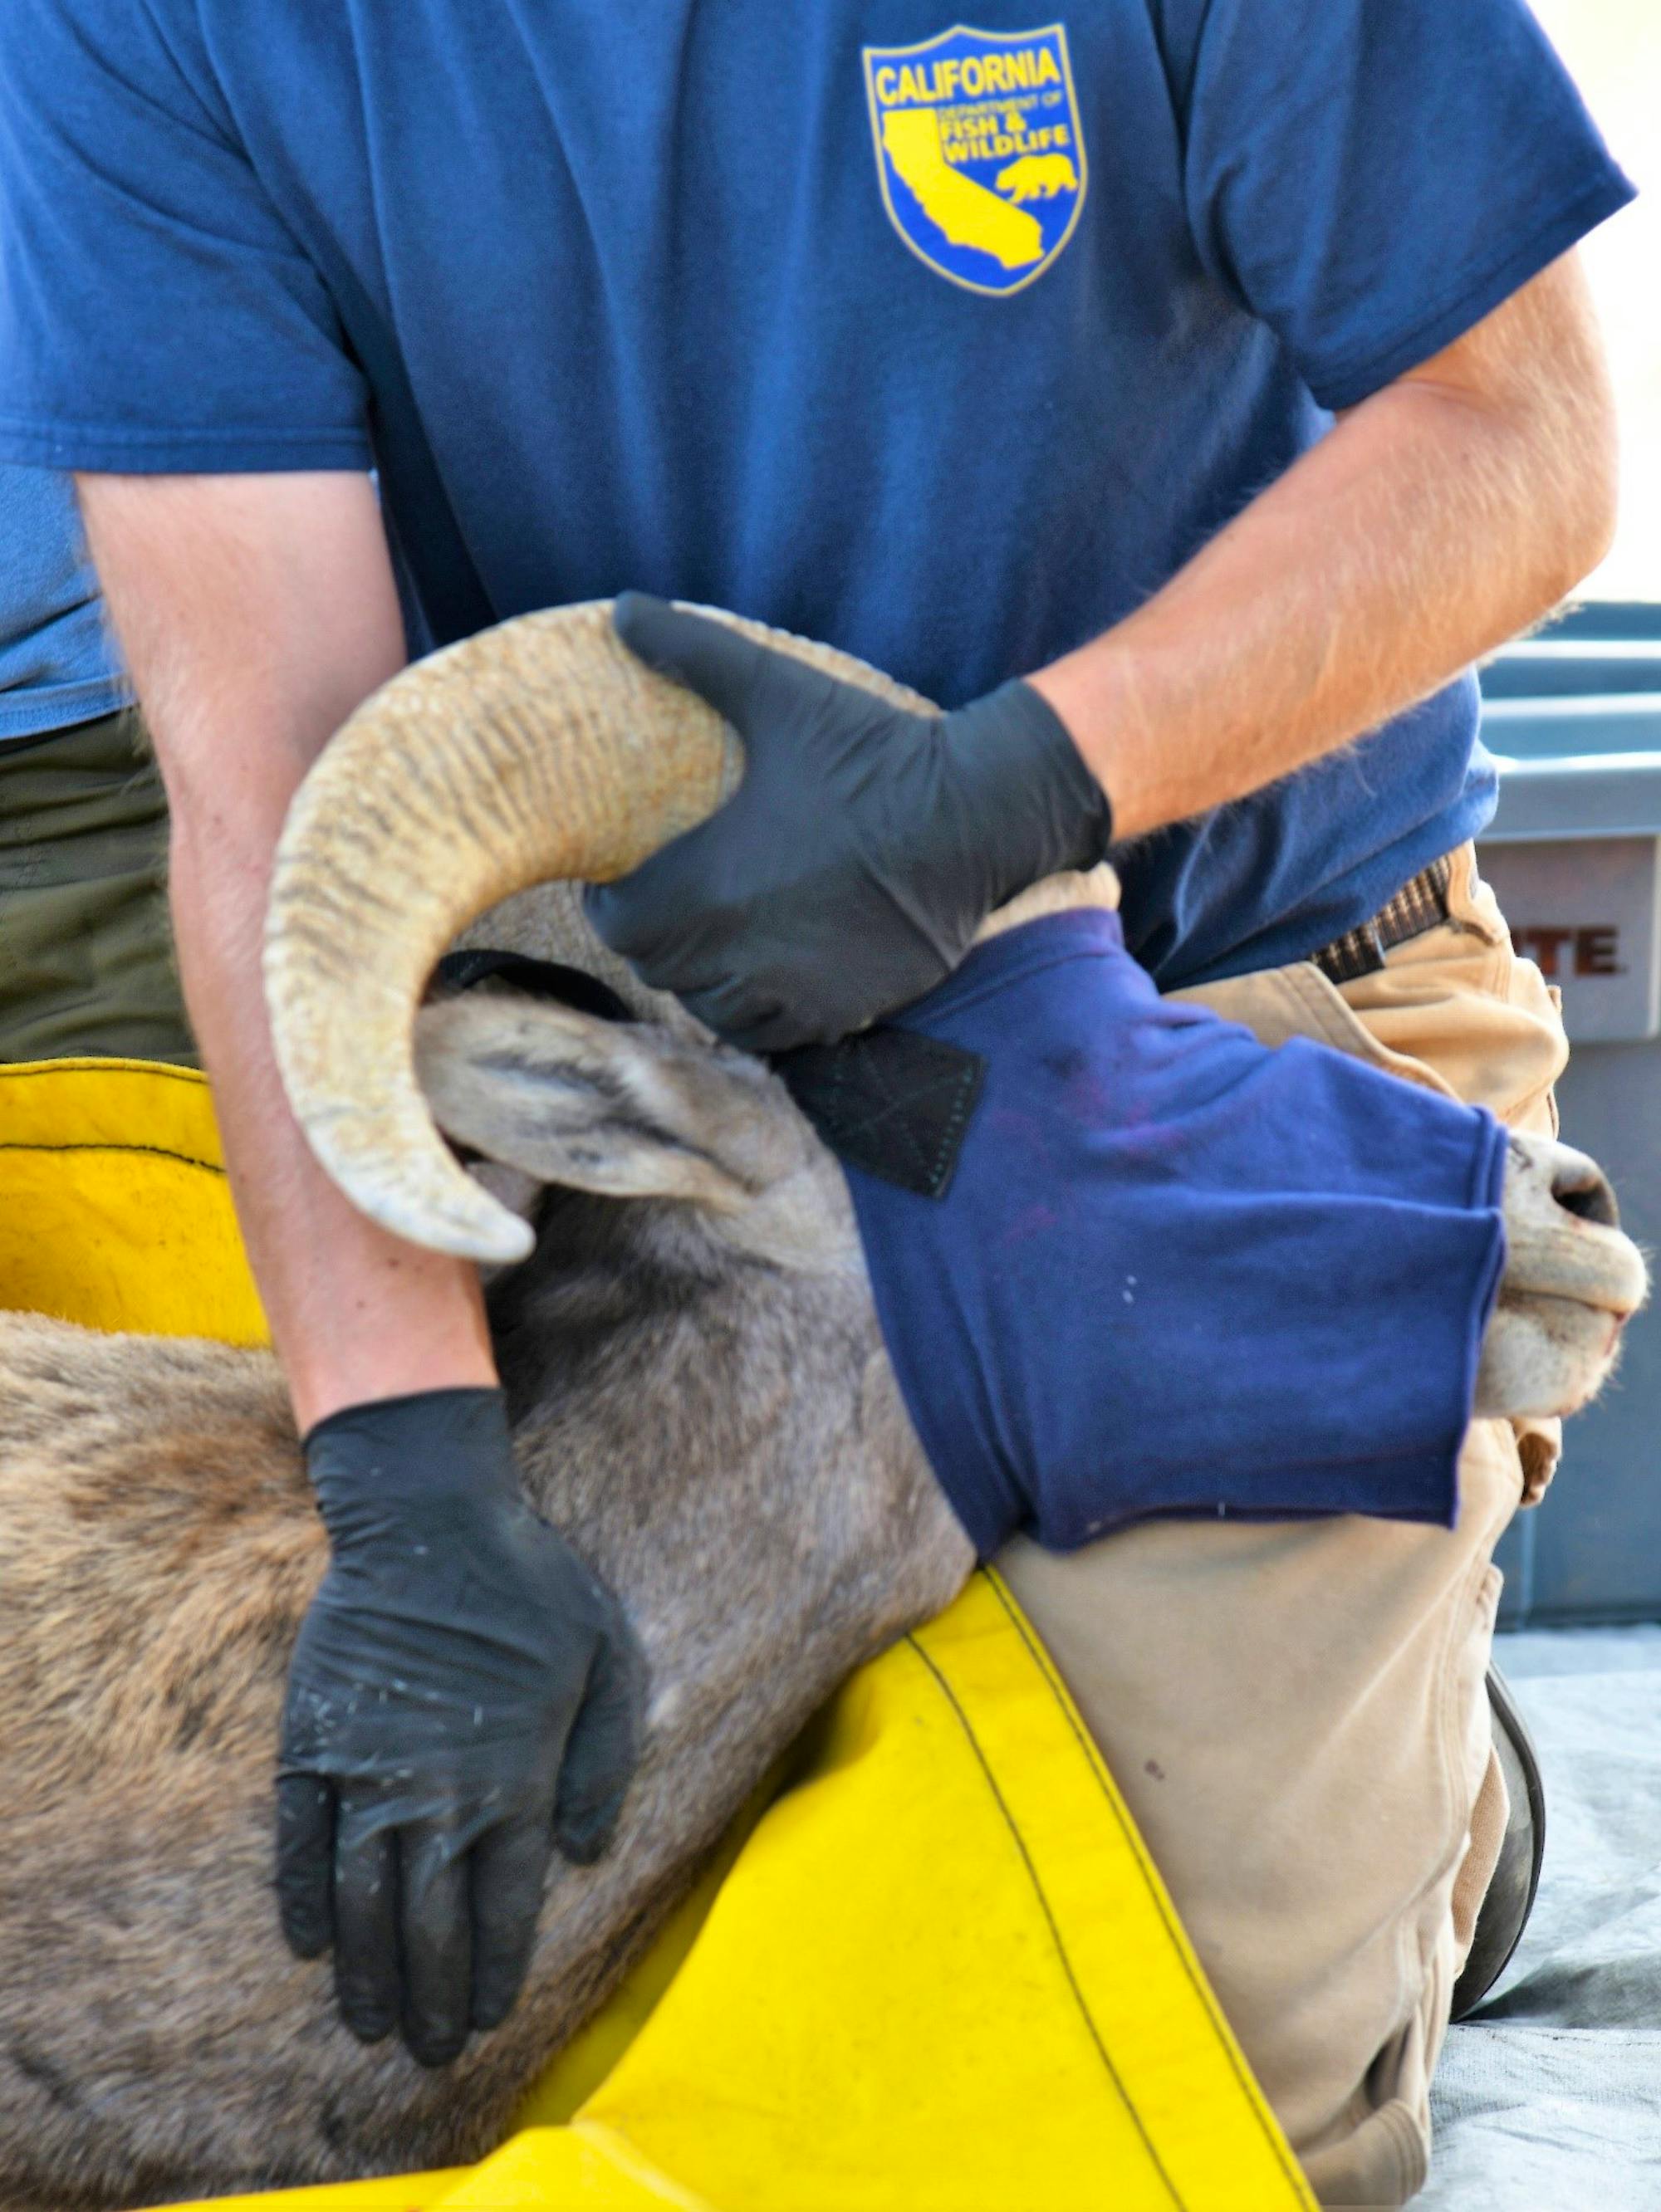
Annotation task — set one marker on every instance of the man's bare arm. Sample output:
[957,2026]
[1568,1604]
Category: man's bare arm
[1440,517]
[255,612]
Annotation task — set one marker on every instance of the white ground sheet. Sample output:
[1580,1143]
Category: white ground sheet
[1549,2100]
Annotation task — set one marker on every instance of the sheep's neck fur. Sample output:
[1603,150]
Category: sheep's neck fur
[742,1432]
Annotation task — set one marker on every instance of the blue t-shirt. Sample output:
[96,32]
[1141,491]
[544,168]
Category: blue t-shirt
[1175,1272]
[946,346]
[58,665]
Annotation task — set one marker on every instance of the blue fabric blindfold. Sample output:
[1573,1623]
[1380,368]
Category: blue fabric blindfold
[1176,1273]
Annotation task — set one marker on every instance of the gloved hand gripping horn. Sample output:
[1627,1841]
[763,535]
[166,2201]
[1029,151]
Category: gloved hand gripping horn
[538,751]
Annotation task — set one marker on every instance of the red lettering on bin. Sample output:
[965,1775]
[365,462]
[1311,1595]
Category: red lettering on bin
[1592,950]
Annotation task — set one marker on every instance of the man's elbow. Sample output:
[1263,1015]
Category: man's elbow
[1546,367]
[1580,491]
[1531,383]
[1602,504]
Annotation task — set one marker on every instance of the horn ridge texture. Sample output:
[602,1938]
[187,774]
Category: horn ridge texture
[538,751]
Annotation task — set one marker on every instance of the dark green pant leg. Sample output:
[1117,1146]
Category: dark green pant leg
[85,946]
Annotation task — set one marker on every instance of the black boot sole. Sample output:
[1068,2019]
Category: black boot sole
[1504,1909]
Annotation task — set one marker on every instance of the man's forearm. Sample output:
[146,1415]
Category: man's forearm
[255,616]
[356,1314]
[1442,516]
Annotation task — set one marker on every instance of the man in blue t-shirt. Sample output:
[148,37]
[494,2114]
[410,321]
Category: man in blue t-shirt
[1186,391]
[86,952]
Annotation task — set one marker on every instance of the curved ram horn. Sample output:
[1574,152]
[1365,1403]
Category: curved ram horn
[539,749]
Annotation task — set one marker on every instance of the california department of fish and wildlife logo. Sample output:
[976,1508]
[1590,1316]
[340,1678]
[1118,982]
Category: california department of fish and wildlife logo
[979,151]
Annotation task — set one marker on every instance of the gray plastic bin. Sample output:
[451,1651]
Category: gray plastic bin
[1574,854]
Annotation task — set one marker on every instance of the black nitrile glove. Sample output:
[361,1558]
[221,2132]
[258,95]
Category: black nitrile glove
[462,1695]
[864,847]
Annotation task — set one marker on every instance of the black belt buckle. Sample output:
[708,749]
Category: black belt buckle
[1421,904]
[1347,958]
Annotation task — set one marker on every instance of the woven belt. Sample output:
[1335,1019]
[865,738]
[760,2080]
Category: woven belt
[1417,907]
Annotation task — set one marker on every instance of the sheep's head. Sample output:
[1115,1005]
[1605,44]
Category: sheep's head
[541,752]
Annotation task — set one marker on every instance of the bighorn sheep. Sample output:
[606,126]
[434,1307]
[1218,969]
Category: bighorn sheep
[700,1396]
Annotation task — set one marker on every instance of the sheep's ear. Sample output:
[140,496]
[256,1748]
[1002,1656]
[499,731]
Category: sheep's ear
[620,1108]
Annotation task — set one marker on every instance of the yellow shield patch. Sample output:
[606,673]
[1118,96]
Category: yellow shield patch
[979,151]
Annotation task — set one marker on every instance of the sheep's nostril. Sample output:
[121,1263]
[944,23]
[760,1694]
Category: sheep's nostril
[1582,1191]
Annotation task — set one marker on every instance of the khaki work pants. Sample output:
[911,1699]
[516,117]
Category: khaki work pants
[1296,1712]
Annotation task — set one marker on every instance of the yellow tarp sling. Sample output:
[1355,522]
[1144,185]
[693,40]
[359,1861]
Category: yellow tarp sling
[936,1973]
